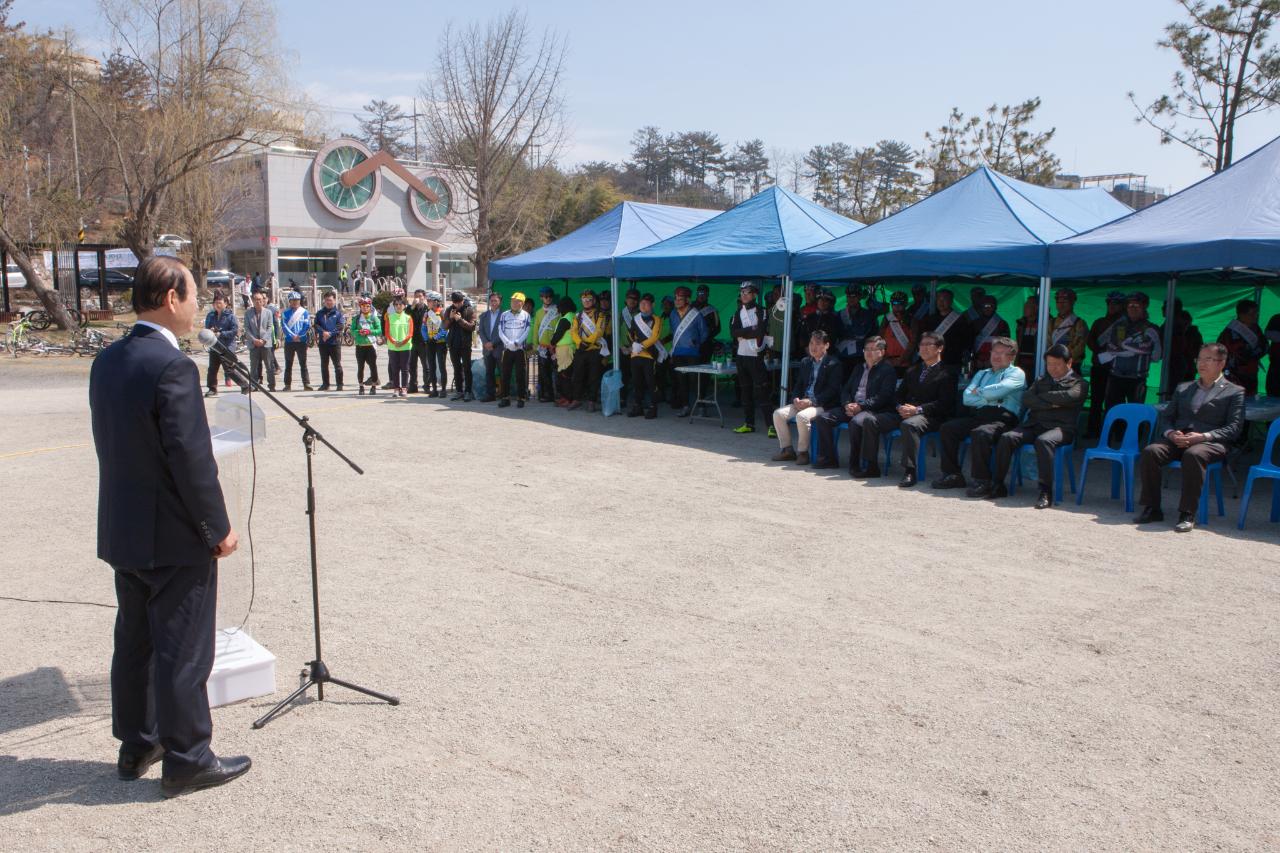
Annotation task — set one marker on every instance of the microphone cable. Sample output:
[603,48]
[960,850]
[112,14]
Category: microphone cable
[248,523]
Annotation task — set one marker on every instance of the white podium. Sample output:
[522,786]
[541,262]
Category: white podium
[242,669]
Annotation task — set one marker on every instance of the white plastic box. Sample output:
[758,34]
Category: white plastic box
[242,669]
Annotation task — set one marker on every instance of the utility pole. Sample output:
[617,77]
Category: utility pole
[416,158]
[75,138]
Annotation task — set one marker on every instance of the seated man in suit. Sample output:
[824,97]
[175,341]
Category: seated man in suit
[867,406]
[814,389]
[1203,418]
[994,399]
[1054,402]
[926,398]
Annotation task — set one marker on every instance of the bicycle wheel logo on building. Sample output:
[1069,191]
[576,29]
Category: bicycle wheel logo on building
[347,178]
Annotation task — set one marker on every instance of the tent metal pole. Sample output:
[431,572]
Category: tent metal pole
[785,355]
[1042,323]
[933,295]
[1170,299]
[613,320]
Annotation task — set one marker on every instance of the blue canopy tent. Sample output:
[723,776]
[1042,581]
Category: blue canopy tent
[756,238]
[589,251]
[986,224]
[1227,224]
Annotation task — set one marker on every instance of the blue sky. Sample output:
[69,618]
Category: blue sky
[795,74]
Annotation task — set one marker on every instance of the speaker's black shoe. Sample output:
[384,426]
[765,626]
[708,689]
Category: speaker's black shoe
[133,765]
[1148,515]
[223,771]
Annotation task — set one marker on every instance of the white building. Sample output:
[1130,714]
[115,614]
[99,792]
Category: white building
[298,218]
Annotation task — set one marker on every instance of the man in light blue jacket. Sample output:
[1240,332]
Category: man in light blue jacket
[993,399]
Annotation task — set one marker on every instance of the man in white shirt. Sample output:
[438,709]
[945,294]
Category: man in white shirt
[748,329]
[513,337]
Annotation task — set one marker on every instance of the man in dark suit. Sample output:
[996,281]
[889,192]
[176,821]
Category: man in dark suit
[162,525]
[867,406]
[814,389]
[926,399]
[1053,403]
[1203,418]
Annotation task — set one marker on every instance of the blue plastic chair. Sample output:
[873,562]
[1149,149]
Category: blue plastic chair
[835,438]
[1063,457]
[1124,458]
[922,453]
[1266,469]
[1212,479]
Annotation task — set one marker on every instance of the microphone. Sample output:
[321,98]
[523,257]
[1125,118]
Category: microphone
[215,346]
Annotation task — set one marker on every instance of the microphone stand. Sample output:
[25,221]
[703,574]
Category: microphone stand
[316,672]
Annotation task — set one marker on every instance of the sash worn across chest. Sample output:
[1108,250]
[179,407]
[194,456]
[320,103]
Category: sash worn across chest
[1063,330]
[988,330]
[947,322]
[1244,333]
[685,322]
[647,331]
[549,318]
[899,332]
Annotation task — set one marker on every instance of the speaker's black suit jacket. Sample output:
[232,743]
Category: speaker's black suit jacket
[159,502]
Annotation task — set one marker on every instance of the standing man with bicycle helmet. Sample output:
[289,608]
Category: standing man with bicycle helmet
[297,327]
[162,526]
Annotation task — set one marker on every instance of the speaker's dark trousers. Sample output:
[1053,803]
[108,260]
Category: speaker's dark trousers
[164,642]
[367,357]
[587,368]
[1195,460]
[418,355]
[330,353]
[296,350]
[515,374]
[1046,441]
[865,429]
[260,358]
[984,426]
[753,386]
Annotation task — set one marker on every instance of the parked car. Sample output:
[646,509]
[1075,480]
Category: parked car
[173,241]
[116,280]
[15,276]
[224,279]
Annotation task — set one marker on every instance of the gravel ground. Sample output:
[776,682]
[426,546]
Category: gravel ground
[639,634]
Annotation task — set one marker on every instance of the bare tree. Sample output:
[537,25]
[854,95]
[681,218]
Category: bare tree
[1228,73]
[39,201]
[201,203]
[210,68]
[493,107]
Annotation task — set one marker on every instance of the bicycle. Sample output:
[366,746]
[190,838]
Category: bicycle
[90,342]
[42,319]
[17,336]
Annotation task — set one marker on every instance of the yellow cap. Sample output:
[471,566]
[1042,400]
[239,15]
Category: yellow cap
[518,295]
